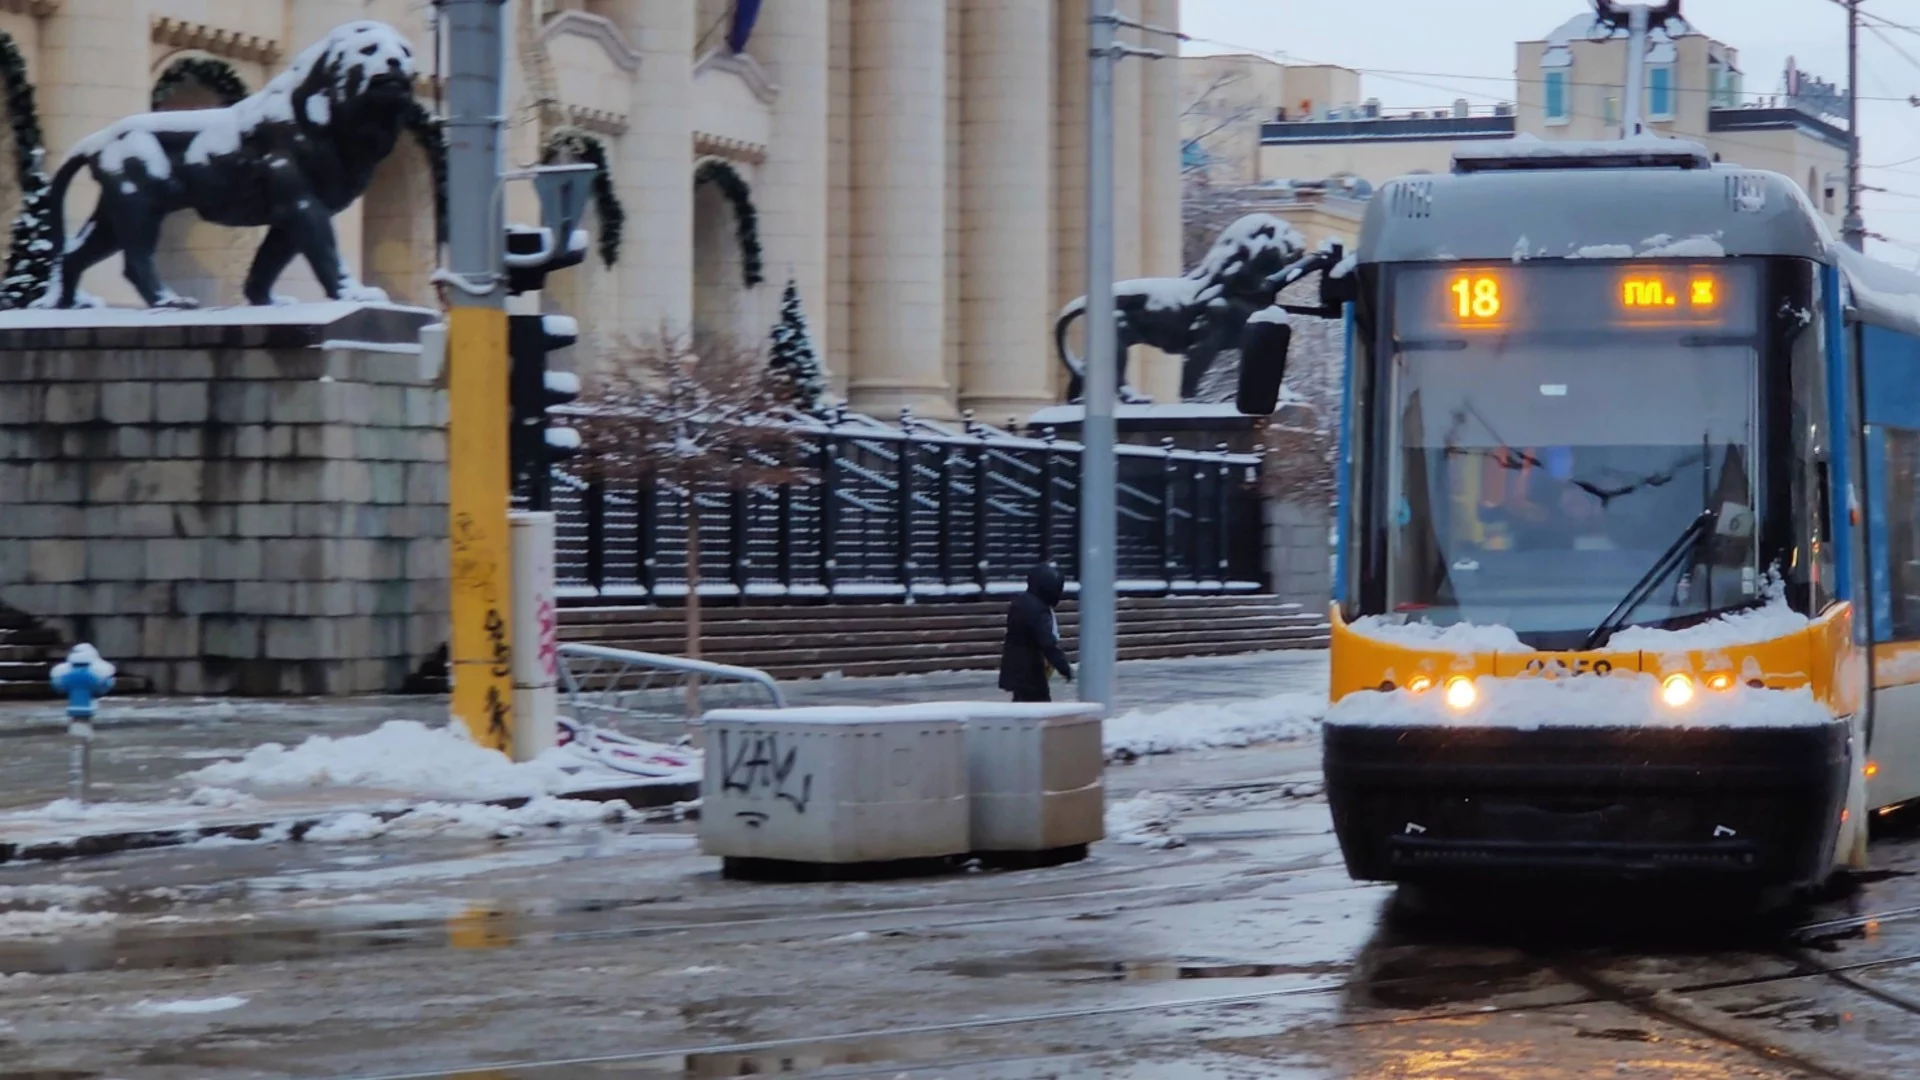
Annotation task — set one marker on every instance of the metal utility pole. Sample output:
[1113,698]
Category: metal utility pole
[1099,473]
[1637,20]
[478,488]
[1632,112]
[1852,228]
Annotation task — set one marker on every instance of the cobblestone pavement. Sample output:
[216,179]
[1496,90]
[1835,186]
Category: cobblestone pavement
[145,743]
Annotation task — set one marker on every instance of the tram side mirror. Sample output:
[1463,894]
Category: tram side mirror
[1263,361]
[1338,285]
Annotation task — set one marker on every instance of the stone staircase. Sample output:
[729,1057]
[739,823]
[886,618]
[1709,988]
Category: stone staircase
[801,642]
[28,652]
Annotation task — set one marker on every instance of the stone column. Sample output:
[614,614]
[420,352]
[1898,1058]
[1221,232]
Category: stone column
[1160,182]
[1069,169]
[899,207]
[791,41]
[653,166]
[837,336]
[94,69]
[1007,163]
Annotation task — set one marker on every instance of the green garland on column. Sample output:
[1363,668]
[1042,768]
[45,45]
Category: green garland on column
[746,220]
[430,132]
[30,254]
[574,144]
[216,75]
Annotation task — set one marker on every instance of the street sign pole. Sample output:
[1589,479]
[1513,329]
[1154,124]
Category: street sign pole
[1098,471]
[478,485]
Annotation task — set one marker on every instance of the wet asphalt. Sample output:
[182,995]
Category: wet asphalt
[1229,943]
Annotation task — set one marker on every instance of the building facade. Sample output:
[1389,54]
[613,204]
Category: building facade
[916,166]
[1569,86]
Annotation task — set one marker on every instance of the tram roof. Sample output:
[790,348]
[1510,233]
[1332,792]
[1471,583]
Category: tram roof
[1526,198]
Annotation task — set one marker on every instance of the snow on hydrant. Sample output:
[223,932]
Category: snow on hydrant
[83,676]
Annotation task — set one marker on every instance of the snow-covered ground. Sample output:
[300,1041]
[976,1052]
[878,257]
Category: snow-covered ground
[1211,725]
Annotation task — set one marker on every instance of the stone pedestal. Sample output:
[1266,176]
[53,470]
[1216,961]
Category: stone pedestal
[247,501]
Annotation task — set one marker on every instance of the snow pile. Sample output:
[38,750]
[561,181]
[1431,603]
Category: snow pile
[1145,819]
[1621,699]
[1771,620]
[53,922]
[58,895]
[188,1006]
[400,755]
[477,820]
[1205,725]
[1453,637]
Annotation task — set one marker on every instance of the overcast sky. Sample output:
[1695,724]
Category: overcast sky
[1464,48]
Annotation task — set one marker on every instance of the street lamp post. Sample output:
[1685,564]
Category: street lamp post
[1099,474]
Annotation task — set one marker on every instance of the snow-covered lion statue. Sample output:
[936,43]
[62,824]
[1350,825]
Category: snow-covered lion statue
[1198,314]
[288,157]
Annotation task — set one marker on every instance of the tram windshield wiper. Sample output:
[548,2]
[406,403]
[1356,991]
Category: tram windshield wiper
[1677,555]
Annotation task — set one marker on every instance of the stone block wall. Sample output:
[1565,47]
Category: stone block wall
[229,510]
[1299,557]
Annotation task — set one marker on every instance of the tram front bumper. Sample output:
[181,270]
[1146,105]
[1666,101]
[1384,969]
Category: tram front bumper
[1432,804]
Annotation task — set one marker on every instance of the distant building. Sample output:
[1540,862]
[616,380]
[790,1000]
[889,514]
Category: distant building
[1225,100]
[1569,87]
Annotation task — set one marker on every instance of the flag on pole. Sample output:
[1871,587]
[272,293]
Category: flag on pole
[744,13]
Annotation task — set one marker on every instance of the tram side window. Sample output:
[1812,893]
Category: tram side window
[1810,574]
[1903,531]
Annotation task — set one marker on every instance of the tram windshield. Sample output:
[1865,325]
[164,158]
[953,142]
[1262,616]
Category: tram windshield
[1542,468]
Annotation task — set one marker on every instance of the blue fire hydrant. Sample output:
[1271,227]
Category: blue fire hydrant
[83,677]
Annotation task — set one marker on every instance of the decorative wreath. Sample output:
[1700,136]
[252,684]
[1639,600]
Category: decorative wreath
[746,220]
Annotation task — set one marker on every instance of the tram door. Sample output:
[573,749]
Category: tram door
[1890,376]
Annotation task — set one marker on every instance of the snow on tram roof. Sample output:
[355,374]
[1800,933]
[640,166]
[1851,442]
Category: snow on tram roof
[1590,200]
[1531,151]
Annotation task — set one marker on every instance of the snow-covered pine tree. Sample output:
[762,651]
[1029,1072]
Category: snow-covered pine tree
[793,356]
[30,258]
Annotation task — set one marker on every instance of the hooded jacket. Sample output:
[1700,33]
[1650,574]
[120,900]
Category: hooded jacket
[1033,635]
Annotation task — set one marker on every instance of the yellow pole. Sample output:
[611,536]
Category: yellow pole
[478,493]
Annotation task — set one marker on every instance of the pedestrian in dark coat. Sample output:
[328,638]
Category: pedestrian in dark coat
[1033,637]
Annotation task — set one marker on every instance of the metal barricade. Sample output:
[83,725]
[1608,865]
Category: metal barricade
[654,696]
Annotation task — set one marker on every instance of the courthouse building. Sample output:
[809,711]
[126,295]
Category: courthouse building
[916,166]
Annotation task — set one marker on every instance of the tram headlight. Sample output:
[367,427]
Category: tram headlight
[1676,690]
[1460,692]
[1419,684]
[1719,680]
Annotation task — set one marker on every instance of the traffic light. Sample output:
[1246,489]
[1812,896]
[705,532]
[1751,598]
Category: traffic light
[534,442]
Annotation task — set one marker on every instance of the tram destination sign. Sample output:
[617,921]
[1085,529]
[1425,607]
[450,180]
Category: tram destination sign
[1539,297]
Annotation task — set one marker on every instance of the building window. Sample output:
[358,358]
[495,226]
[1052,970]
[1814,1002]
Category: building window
[1660,93]
[1556,97]
[1610,109]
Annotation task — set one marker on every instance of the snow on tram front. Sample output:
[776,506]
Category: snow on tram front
[1605,597]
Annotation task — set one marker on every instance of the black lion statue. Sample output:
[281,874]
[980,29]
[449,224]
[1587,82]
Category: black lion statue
[1198,314]
[288,157]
